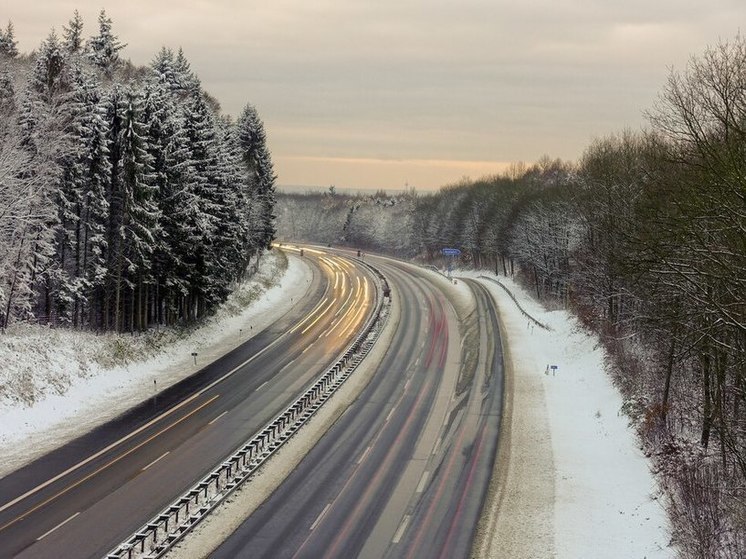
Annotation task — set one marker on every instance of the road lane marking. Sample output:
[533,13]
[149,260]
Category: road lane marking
[218,417]
[310,315]
[423,482]
[347,312]
[319,517]
[364,454]
[261,386]
[307,328]
[102,468]
[390,414]
[159,458]
[402,529]
[60,525]
[287,365]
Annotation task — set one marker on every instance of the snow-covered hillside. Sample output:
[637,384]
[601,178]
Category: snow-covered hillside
[578,485]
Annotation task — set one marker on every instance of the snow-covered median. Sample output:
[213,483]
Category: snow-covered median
[56,384]
[577,484]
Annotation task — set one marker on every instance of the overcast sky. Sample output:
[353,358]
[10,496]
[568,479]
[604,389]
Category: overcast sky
[383,93]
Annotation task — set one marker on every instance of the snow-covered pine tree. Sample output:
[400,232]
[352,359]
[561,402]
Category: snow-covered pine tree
[50,74]
[211,273]
[7,101]
[44,120]
[84,209]
[173,261]
[185,79]
[141,213]
[232,178]
[8,43]
[73,34]
[165,70]
[258,162]
[103,49]
[133,215]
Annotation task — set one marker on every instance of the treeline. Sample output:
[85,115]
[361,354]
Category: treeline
[126,198]
[644,238]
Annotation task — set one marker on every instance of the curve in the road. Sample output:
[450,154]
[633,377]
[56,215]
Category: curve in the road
[84,498]
[403,473]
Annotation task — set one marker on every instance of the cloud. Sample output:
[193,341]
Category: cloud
[476,80]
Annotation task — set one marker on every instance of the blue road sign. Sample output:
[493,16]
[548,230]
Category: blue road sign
[450,251]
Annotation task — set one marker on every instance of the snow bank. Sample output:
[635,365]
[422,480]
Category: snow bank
[56,384]
[605,497]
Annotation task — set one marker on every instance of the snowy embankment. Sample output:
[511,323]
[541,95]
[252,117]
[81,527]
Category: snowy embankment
[57,383]
[575,483]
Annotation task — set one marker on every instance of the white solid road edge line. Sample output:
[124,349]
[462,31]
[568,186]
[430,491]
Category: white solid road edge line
[319,517]
[401,530]
[156,460]
[60,525]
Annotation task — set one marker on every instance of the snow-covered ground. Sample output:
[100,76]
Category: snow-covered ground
[578,485]
[56,384]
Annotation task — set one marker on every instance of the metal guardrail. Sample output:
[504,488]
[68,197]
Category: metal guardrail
[164,530]
[517,304]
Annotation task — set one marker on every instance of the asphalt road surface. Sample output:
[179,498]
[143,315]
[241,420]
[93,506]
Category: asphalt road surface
[86,497]
[404,471]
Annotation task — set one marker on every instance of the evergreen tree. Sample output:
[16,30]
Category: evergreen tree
[50,71]
[133,214]
[82,204]
[185,79]
[7,100]
[178,206]
[211,279]
[140,217]
[103,49]
[73,34]
[252,140]
[165,71]
[8,43]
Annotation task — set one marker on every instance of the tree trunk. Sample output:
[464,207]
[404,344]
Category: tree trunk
[707,397]
[667,386]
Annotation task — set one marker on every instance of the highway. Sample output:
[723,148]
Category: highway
[404,471]
[86,497]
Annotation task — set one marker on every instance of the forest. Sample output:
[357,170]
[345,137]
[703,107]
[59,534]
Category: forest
[644,239]
[127,199]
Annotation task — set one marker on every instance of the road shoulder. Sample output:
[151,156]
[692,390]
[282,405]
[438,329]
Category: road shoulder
[518,516]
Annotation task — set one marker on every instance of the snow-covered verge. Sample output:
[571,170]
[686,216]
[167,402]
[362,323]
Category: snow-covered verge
[56,383]
[577,484]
